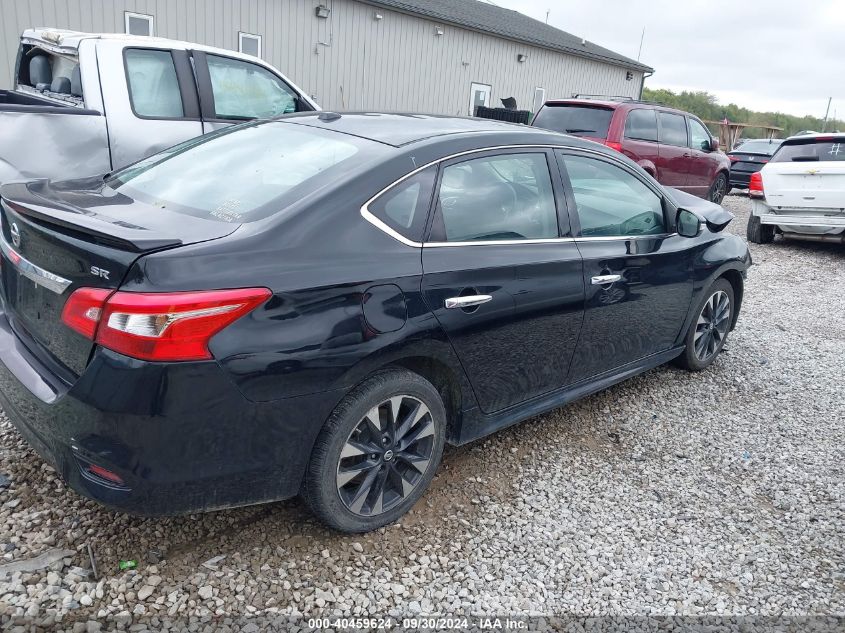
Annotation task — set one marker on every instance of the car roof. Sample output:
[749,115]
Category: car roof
[400,129]
[63,40]
[614,104]
[825,136]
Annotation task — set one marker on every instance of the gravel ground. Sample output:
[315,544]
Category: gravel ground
[673,493]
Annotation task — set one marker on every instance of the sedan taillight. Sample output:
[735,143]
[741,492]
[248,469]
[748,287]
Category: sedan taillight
[158,326]
[755,185]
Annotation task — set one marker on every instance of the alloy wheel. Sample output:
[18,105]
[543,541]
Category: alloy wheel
[712,326]
[719,189]
[386,455]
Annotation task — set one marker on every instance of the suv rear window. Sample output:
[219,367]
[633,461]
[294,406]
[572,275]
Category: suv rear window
[811,150]
[245,172]
[578,120]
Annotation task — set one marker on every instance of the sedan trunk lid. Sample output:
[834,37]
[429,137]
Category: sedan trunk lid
[60,237]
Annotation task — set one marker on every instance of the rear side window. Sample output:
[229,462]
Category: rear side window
[641,125]
[245,172]
[577,120]
[153,87]
[673,129]
[506,197]
[247,91]
[811,150]
[404,207]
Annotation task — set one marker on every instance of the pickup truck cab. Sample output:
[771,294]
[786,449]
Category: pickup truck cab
[800,192]
[87,104]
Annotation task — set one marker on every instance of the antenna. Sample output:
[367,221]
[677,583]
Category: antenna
[826,112]
[640,52]
[547,15]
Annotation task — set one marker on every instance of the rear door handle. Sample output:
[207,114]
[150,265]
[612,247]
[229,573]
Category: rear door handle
[467,301]
[600,280]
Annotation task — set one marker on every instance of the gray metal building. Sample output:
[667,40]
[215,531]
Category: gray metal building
[437,56]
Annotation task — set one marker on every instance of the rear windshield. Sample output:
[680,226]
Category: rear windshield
[244,173]
[758,147]
[811,150]
[578,120]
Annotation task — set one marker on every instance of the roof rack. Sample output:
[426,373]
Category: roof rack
[617,98]
[578,95]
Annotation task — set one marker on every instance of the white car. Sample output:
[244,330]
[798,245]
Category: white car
[800,193]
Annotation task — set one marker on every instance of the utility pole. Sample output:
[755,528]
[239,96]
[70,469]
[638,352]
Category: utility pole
[640,52]
[826,112]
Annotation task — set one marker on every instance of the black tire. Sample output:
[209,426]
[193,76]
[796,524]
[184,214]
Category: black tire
[332,501]
[691,359]
[759,233]
[719,188]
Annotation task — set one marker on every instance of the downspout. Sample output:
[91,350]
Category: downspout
[642,83]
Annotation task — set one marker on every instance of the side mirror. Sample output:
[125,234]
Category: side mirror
[688,224]
[714,145]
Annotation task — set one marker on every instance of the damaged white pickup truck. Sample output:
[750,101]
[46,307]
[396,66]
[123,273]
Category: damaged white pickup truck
[86,104]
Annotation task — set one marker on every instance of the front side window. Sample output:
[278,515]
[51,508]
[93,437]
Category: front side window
[673,129]
[505,197]
[243,90]
[153,86]
[404,207]
[699,136]
[611,201]
[641,125]
[244,172]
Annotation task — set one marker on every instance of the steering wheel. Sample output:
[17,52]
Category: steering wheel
[640,224]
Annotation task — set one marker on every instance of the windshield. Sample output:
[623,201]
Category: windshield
[244,173]
[759,147]
[811,150]
[578,120]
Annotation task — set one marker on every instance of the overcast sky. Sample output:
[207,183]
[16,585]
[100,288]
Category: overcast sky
[778,55]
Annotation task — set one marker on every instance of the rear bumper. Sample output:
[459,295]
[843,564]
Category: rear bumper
[807,221]
[740,179]
[180,435]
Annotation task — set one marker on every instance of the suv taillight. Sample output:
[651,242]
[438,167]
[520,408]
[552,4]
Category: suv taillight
[158,326]
[755,186]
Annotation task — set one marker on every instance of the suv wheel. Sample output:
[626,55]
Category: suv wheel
[759,233]
[377,453]
[718,189]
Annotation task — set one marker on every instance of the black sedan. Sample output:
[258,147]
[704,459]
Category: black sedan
[314,305]
[749,158]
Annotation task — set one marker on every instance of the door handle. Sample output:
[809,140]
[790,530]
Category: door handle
[600,280]
[467,301]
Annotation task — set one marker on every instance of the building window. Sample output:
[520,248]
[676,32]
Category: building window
[139,23]
[249,44]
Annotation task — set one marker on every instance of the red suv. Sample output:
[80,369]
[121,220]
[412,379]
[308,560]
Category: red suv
[673,146]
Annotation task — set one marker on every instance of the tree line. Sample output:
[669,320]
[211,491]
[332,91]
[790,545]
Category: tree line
[706,106]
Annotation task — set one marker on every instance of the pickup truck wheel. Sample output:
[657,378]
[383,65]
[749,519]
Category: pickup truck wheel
[377,453]
[718,189]
[759,233]
[710,328]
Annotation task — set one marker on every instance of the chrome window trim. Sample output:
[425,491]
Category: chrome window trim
[372,219]
[33,272]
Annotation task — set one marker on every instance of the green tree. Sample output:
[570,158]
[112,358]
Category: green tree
[706,106]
